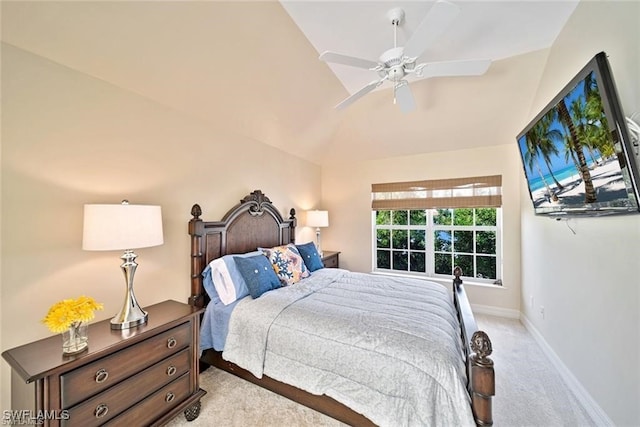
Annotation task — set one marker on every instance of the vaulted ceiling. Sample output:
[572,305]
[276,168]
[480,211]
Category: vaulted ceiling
[253,67]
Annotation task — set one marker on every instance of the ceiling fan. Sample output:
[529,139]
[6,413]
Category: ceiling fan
[397,63]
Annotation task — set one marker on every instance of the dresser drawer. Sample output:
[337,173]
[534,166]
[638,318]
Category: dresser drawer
[120,397]
[97,376]
[155,405]
[330,261]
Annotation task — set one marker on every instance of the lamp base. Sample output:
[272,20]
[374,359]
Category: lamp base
[318,248]
[130,319]
[130,315]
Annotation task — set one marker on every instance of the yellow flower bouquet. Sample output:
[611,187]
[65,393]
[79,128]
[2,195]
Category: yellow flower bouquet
[70,316]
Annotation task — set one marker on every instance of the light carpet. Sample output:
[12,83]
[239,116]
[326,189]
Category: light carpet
[529,391]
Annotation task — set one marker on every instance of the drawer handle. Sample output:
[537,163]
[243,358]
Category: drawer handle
[171,370]
[101,376]
[101,410]
[171,342]
[169,397]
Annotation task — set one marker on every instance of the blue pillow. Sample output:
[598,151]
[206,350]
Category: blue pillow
[310,255]
[258,274]
[222,280]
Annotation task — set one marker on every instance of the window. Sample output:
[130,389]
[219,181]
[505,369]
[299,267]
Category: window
[424,227]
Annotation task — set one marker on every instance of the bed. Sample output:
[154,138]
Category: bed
[361,370]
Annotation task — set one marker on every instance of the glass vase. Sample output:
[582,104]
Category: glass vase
[75,339]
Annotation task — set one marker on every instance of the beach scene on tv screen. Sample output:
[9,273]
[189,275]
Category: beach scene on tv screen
[569,155]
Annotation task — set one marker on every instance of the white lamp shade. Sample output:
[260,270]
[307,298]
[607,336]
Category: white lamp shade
[317,218]
[121,227]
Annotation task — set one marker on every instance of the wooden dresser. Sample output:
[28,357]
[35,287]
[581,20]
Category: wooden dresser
[134,377]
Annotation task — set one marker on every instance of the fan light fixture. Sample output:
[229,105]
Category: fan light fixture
[398,63]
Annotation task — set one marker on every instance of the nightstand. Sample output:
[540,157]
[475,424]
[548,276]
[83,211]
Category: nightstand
[140,376]
[330,259]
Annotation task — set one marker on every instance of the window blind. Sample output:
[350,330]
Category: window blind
[470,192]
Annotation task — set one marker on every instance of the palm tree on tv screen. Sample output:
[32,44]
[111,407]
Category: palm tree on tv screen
[587,134]
[564,116]
[540,142]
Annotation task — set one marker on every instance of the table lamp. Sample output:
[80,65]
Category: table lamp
[123,227]
[318,219]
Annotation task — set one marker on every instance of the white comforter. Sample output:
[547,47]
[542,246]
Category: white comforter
[388,348]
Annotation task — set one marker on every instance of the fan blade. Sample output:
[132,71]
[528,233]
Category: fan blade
[404,97]
[348,60]
[432,26]
[472,67]
[359,94]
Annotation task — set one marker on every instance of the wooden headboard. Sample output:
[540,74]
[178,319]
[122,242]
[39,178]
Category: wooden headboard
[252,223]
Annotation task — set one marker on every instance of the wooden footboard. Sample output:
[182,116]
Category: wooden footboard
[255,222]
[477,348]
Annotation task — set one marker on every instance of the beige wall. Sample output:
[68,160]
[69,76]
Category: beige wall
[346,193]
[588,282]
[70,139]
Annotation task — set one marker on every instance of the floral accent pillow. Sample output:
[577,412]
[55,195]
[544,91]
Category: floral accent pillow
[287,263]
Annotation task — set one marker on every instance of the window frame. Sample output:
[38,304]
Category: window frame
[430,228]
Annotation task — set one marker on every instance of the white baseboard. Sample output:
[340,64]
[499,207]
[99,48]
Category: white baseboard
[590,405]
[496,311]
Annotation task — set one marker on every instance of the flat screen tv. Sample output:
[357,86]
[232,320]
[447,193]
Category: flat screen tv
[577,153]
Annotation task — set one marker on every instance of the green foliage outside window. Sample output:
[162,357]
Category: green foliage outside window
[486,267]
[418,217]
[486,216]
[384,259]
[399,239]
[464,236]
[418,262]
[443,264]
[383,238]
[383,217]
[442,241]
[463,216]
[401,260]
[443,217]
[399,218]
[465,262]
[463,241]
[417,240]
[486,242]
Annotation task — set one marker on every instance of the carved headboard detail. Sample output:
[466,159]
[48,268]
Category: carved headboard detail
[252,223]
